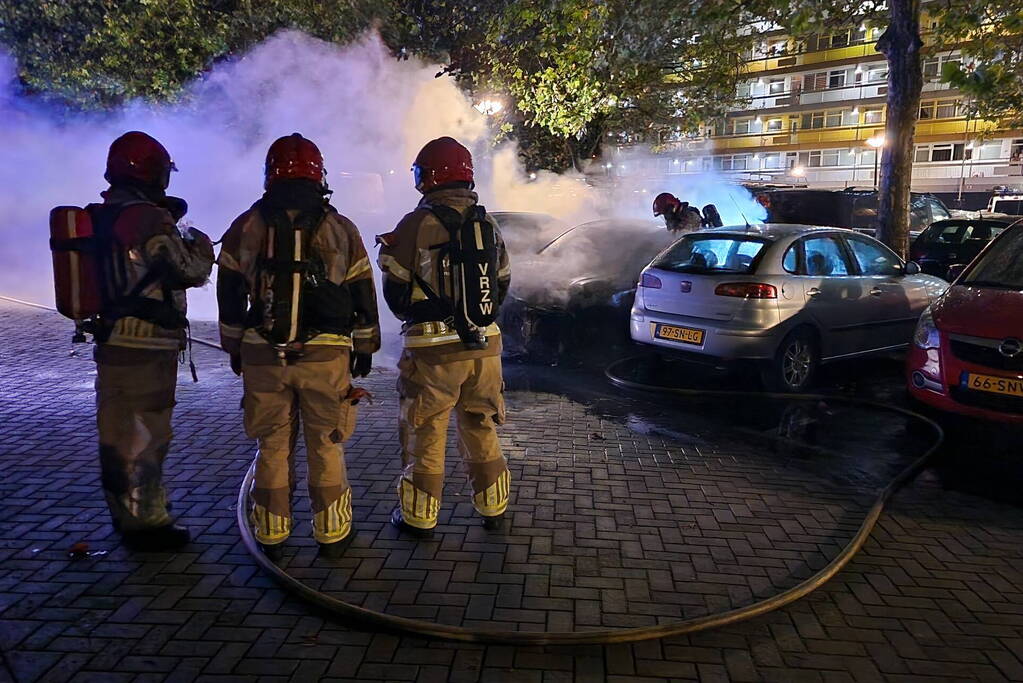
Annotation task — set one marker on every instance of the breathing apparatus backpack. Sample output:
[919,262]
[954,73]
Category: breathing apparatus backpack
[90,273]
[298,302]
[467,266]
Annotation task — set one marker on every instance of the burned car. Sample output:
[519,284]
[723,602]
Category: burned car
[573,295]
[526,232]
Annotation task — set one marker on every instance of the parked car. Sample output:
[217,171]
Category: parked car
[967,352]
[853,208]
[576,293]
[787,297]
[954,241]
[1009,204]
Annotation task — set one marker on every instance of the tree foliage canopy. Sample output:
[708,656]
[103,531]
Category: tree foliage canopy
[573,69]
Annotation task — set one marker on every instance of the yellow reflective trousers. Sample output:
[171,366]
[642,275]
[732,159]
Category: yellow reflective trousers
[429,390]
[278,395]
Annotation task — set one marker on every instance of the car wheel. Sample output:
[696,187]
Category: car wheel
[795,364]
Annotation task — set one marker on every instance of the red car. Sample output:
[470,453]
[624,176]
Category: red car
[967,351]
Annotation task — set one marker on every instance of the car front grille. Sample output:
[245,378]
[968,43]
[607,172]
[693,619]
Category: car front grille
[987,356]
[988,401]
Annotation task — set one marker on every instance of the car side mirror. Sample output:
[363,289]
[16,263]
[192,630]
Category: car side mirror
[954,271]
[912,268]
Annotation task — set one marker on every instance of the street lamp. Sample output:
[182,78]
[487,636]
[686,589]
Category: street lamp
[488,107]
[876,142]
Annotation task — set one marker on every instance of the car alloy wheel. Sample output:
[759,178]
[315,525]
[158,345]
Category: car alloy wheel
[796,363]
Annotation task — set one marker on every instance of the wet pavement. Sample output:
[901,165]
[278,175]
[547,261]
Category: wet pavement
[627,510]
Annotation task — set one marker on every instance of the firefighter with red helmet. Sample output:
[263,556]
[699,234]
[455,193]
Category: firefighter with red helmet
[443,259]
[140,333]
[298,316]
[678,215]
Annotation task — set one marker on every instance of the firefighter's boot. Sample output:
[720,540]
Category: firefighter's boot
[401,525]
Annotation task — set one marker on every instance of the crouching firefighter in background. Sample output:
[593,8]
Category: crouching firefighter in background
[121,269]
[680,217]
[446,273]
[298,314]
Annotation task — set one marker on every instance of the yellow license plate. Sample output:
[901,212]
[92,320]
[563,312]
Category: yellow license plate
[996,385]
[686,335]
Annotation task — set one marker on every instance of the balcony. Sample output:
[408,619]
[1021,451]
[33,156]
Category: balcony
[845,135]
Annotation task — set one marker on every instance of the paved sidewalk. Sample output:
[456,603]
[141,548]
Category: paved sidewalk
[623,514]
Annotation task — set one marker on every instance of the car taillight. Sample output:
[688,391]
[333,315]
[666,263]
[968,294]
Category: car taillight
[651,281]
[747,290]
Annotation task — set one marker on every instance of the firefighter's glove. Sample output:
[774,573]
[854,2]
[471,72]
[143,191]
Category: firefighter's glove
[236,364]
[362,363]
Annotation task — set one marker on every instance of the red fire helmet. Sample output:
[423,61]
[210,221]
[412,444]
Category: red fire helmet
[294,156]
[138,157]
[665,203]
[440,162]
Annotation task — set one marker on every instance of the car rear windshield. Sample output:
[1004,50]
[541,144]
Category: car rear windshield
[1013,207]
[1001,266]
[703,253]
[959,232]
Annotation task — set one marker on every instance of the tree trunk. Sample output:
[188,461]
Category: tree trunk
[901,44]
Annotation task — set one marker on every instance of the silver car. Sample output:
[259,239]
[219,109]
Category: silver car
[787,296]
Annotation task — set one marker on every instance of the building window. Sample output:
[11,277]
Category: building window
[741,126]
[774,125]
[777,47]
[877,74]
[1016,152]
[836,79]
[827,157]
[939,109]
[775,86]
[833,118]
[946,109]
[733,162]
[988,150]
[744,90]
[942,152]
[873,115]
[773,160]
[934,65]
[817,81]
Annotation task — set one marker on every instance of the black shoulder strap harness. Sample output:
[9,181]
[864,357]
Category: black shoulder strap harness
[288,253]
[112,258]
[442,306]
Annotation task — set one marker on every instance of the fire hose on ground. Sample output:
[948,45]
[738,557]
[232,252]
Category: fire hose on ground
[354,614]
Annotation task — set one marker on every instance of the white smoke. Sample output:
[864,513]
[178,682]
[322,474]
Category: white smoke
[368,112]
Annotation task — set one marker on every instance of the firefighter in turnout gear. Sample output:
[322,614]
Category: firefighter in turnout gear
[298,315]
[147,265]
[446,272]
[678,216]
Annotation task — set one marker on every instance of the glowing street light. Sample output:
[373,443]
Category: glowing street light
[876,141]
[798,171]
[488,107]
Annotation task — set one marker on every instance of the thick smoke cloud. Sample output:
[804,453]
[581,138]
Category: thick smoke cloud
[368,112]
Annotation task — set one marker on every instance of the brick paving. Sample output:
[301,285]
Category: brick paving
[622,515]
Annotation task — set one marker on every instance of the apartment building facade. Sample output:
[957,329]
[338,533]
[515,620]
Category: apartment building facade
[814,111]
